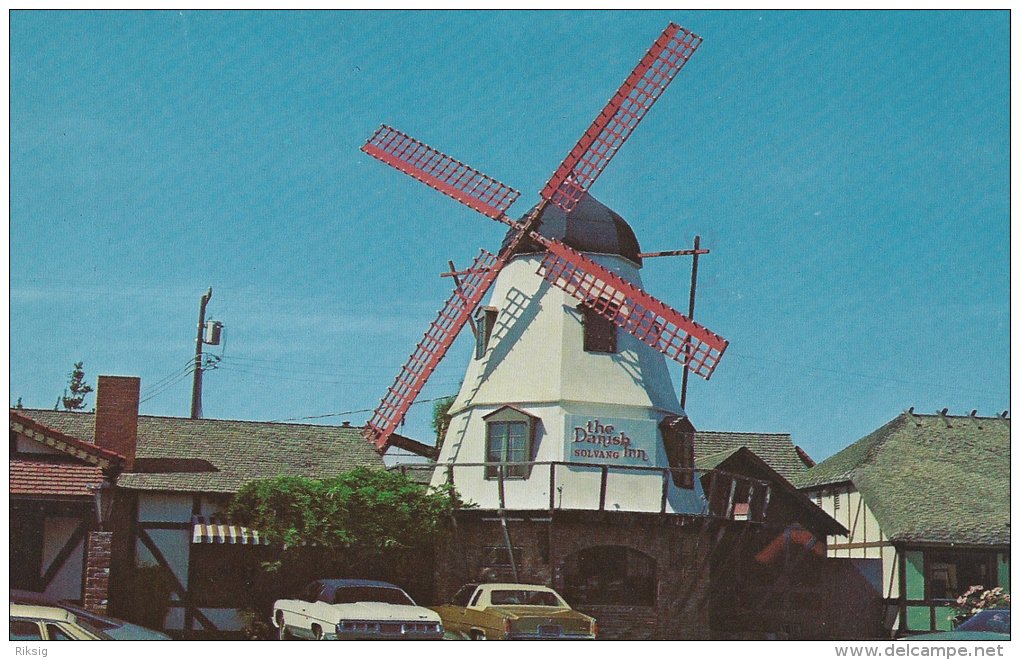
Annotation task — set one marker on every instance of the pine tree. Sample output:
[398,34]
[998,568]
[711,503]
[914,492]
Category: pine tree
[78,389]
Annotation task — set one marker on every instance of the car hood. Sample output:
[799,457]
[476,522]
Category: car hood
[135,632]
[961,635]
[383,612]
[537,612]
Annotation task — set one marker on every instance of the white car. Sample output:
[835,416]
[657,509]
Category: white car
[354,609]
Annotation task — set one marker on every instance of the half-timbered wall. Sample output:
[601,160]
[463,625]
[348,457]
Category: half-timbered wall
[60,533]
[164,537]
[866,543]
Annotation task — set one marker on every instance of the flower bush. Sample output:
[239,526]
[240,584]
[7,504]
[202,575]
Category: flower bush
[978,598]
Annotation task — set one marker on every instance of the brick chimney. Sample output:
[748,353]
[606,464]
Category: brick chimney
[117,416]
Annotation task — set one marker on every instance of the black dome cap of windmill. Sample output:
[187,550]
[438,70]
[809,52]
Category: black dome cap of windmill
[590,227]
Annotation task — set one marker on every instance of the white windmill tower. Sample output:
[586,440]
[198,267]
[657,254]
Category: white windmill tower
[558,409]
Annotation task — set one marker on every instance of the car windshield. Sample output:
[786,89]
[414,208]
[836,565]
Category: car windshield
[524,597]
[87,625]
[91,620]
[371,595]
[996,621]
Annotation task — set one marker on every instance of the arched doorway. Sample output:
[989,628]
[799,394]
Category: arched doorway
[609,575]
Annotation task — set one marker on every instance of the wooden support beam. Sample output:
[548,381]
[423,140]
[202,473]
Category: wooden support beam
[456,281]
[602,488]
[673,253]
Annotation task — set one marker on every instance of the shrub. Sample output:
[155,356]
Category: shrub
[978,598]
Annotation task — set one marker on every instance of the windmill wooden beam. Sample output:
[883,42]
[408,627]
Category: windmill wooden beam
[673,253]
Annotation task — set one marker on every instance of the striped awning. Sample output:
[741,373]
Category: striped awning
[215,530]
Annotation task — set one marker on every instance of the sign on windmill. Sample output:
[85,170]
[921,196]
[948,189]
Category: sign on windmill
[597,288]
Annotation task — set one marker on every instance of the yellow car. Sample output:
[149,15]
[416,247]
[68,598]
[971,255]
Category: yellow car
[513,611]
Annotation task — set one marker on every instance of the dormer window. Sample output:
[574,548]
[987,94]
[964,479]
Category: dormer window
[599,332]
[509,434]
[485,319]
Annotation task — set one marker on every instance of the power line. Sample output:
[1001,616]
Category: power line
[331,379]
[852,374]
[360,368]
[188,364]
[352,412]
[169,384]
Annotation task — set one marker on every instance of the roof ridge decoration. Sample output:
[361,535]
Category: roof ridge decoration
[76,447]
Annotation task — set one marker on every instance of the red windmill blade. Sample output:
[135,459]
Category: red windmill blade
[632,309]
[477,191]
[437,170]
[431,349]
[616,122]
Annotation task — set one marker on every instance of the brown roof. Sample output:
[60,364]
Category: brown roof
[214,455]
[52,477]
[776,449]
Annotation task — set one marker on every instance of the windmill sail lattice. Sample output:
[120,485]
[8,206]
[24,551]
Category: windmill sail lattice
[616,122]
[437,170]
[638,313]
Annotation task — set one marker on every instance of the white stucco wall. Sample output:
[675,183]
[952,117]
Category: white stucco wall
[66,583]
[164,507]
[535,361]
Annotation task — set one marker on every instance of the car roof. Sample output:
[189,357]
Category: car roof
[41,612]
[515,585]
[336,583]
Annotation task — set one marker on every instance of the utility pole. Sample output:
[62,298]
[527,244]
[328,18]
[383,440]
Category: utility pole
[196,389]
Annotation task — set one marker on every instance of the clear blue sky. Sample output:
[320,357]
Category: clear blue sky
[849,172]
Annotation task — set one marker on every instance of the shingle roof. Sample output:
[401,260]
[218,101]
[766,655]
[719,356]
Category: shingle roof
[51,477]
[929,478]
[213,455]
[736,459]
[776,449]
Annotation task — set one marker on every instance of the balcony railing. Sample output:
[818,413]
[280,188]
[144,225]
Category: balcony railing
[568,486]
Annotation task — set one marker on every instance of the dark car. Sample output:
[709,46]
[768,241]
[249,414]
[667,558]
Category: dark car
[985,625]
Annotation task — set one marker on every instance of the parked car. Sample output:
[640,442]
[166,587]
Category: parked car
[985,625]
[354,609]
[514,611]
[63,621]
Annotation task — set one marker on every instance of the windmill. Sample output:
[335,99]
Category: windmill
[596,287]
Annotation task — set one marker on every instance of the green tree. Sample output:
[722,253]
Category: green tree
[441,418]
[366,523]
[77,387]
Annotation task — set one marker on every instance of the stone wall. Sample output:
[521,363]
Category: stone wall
[465,554]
